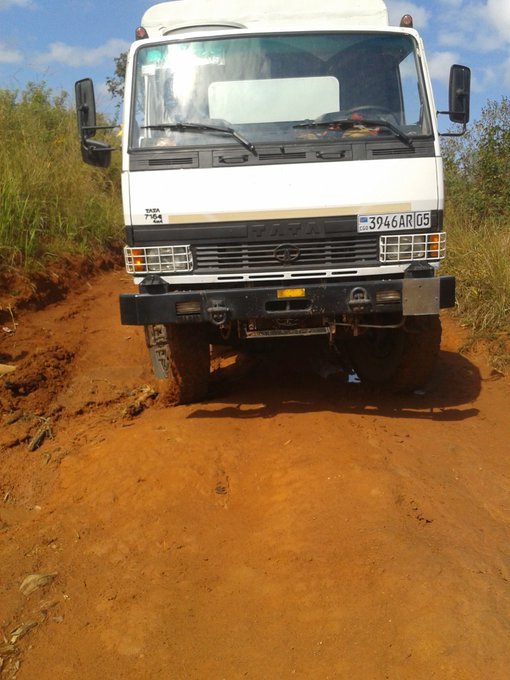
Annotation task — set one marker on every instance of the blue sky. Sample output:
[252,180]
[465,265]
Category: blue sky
[60,41]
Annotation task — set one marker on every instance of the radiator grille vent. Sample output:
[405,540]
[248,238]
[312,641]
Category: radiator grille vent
[235,257]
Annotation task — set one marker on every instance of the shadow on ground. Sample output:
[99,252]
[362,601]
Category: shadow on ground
[304,380]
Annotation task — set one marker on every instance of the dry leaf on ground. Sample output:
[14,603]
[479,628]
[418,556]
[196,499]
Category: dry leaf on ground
[35,581]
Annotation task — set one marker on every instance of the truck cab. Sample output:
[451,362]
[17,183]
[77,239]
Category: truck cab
[282,176]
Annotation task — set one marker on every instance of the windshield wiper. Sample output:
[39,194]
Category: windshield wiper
[201,127]
[364,122]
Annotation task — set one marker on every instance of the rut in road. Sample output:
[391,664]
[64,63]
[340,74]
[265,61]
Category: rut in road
[291,526]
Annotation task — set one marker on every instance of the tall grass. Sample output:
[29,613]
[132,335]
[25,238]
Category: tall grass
[478,223]
[51,203]
[479,258]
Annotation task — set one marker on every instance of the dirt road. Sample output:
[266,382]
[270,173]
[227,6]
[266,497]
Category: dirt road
[292,527]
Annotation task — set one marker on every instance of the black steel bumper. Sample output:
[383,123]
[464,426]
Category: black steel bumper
[421,296]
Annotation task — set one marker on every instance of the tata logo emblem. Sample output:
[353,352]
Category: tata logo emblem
[286,253]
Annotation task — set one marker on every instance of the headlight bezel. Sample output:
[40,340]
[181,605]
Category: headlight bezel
[158,259]
[394,248]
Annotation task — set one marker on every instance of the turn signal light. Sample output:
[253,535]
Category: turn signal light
[434,245]
[138,260]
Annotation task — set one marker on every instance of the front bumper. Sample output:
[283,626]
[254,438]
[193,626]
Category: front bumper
[409,296]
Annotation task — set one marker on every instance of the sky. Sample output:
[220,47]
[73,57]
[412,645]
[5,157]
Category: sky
[61,41]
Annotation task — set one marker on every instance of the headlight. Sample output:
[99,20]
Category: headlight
[409,247]
[160,259]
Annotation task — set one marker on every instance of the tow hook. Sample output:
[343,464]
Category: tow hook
[218,313]
[359,300]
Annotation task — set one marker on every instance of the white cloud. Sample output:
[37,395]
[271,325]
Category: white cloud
[5,4]
[475,21]
[452,3]
[494,77]
[499,15]
[397,9]
[440,63]
[9,56]
[449,38]
[467,25]
[73,56]
[484,78]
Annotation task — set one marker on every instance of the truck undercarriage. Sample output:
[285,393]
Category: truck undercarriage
[361,321]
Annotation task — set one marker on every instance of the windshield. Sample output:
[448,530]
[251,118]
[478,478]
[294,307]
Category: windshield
[263,87]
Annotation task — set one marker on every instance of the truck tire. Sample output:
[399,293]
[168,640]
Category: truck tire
[400,359]
[180,353]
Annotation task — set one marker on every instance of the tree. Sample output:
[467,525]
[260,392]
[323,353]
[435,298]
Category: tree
[115,83]
[478,165]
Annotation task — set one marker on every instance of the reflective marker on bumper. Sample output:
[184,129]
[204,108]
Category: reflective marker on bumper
[290,293]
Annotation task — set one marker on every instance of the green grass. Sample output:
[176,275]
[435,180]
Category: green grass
[477,218]
[51,203]
[479,258]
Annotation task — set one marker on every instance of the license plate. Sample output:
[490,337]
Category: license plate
[394,221]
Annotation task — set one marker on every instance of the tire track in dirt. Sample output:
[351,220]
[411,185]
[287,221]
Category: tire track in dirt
[291,526]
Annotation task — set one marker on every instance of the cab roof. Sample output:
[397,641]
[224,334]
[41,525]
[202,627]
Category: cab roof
[166,18]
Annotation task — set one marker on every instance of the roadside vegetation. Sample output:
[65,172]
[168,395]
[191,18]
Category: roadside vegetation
[477,173]
[52,204]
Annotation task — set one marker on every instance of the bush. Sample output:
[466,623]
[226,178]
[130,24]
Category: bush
[477,173]
[477,166]
[50,201]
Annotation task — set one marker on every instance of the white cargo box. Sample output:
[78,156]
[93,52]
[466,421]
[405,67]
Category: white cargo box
[181,15]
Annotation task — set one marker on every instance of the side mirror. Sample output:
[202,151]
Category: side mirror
[85,107]
[459,94]
[93,152]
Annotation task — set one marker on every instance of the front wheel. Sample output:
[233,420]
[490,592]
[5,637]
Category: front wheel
[180,353]
[400,359]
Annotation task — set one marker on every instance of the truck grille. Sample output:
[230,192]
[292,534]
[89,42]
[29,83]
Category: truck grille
[350,252]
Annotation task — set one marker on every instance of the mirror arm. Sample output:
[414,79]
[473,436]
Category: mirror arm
[452,134]
[85,129]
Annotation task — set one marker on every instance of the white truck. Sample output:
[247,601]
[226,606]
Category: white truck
[282,177]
